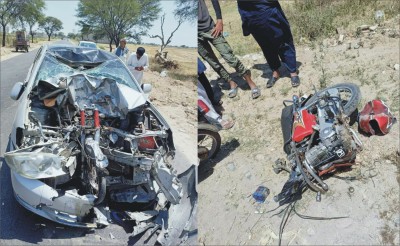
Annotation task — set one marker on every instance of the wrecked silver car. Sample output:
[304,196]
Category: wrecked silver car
[86,142]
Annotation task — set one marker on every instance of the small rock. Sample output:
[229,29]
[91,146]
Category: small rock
[340,30]
[341,38]
[397,222]
[356,46]
[396,67]
[111,236]
[373,28]
[231,166]
[349,45]
[363,28]
[248,175]
[163,73]
[383,72]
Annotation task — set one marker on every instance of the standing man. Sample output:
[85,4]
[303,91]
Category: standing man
[267,23]
[211,33]
[122,51]
[138,63]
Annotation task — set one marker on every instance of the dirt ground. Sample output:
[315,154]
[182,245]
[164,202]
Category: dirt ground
[176,101]
[228,214]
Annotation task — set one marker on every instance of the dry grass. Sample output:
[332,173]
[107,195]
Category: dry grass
[310,20]
[186,58]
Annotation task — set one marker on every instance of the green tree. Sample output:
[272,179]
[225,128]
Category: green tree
[50,25]
[186,10]
[32,14]
[9,11]
[119,18]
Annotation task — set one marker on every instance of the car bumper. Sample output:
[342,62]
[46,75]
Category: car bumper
[68,208]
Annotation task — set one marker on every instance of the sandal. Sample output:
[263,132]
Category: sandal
[295,81]
[227,124]
[255,93]
[271,81]
[233,92]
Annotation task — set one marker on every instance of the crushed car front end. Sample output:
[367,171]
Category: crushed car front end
[86,142]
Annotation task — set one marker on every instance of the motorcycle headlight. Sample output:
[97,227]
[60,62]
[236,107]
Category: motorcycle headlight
[33,165]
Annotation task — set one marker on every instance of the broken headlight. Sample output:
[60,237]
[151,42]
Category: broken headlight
[35,165]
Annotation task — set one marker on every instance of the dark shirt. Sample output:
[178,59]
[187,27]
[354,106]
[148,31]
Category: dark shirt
[252,11]
[205,22]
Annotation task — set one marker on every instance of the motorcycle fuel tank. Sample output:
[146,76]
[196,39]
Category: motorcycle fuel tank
[303,123]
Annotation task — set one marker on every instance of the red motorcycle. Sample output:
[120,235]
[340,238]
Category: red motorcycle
[317,138]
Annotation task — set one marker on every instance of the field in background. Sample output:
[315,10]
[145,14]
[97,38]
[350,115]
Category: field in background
[186,58]
[310,20]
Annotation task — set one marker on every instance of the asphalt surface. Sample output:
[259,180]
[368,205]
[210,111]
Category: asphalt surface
[19,226]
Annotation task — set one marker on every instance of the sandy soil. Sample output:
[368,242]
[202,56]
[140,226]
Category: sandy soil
[176,101]
[228,214]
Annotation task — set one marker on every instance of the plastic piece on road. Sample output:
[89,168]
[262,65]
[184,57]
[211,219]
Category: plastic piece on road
[261,194]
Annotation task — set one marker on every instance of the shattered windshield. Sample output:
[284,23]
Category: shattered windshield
[52,69]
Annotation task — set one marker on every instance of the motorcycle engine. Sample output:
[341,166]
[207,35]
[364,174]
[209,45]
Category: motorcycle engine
[336,144]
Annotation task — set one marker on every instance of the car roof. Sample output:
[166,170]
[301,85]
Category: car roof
[87,42]
[80,54]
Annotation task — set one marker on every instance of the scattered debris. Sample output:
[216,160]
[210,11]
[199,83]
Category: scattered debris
[111,236]
[261,194]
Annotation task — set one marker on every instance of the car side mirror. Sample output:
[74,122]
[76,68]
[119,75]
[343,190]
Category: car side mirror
[146,88]
[17,91]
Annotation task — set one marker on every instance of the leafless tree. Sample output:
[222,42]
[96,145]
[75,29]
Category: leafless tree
[166,41]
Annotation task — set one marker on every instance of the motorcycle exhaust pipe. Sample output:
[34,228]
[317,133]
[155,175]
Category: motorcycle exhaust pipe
[298,162]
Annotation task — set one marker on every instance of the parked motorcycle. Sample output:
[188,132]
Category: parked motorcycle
[208,138]
[318,138]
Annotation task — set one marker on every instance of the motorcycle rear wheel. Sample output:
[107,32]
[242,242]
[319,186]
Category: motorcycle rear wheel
[349,104]
[209,138]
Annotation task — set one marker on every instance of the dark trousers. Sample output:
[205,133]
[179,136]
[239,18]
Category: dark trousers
[272,32]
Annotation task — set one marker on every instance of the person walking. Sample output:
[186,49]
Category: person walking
[138,63]
[266,22]
[211,33]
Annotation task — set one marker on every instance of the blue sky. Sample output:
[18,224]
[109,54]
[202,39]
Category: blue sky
[186,34]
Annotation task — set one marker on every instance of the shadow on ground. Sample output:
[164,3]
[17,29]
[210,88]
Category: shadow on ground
[207,169]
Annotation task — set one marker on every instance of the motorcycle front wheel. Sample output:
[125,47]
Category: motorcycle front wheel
[349,93]
[208,142]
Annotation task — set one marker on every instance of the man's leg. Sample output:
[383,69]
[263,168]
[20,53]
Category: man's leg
[205,51]
[227,53]
[287,53]
[267,47]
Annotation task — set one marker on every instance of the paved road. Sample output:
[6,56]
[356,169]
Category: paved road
[18,226]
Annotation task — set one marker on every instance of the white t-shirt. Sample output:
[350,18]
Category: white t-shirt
[134,62]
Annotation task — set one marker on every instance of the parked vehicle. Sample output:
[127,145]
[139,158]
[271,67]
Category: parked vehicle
[317,138]
[21,41]
[208,138]
[87,44]
[86,142]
